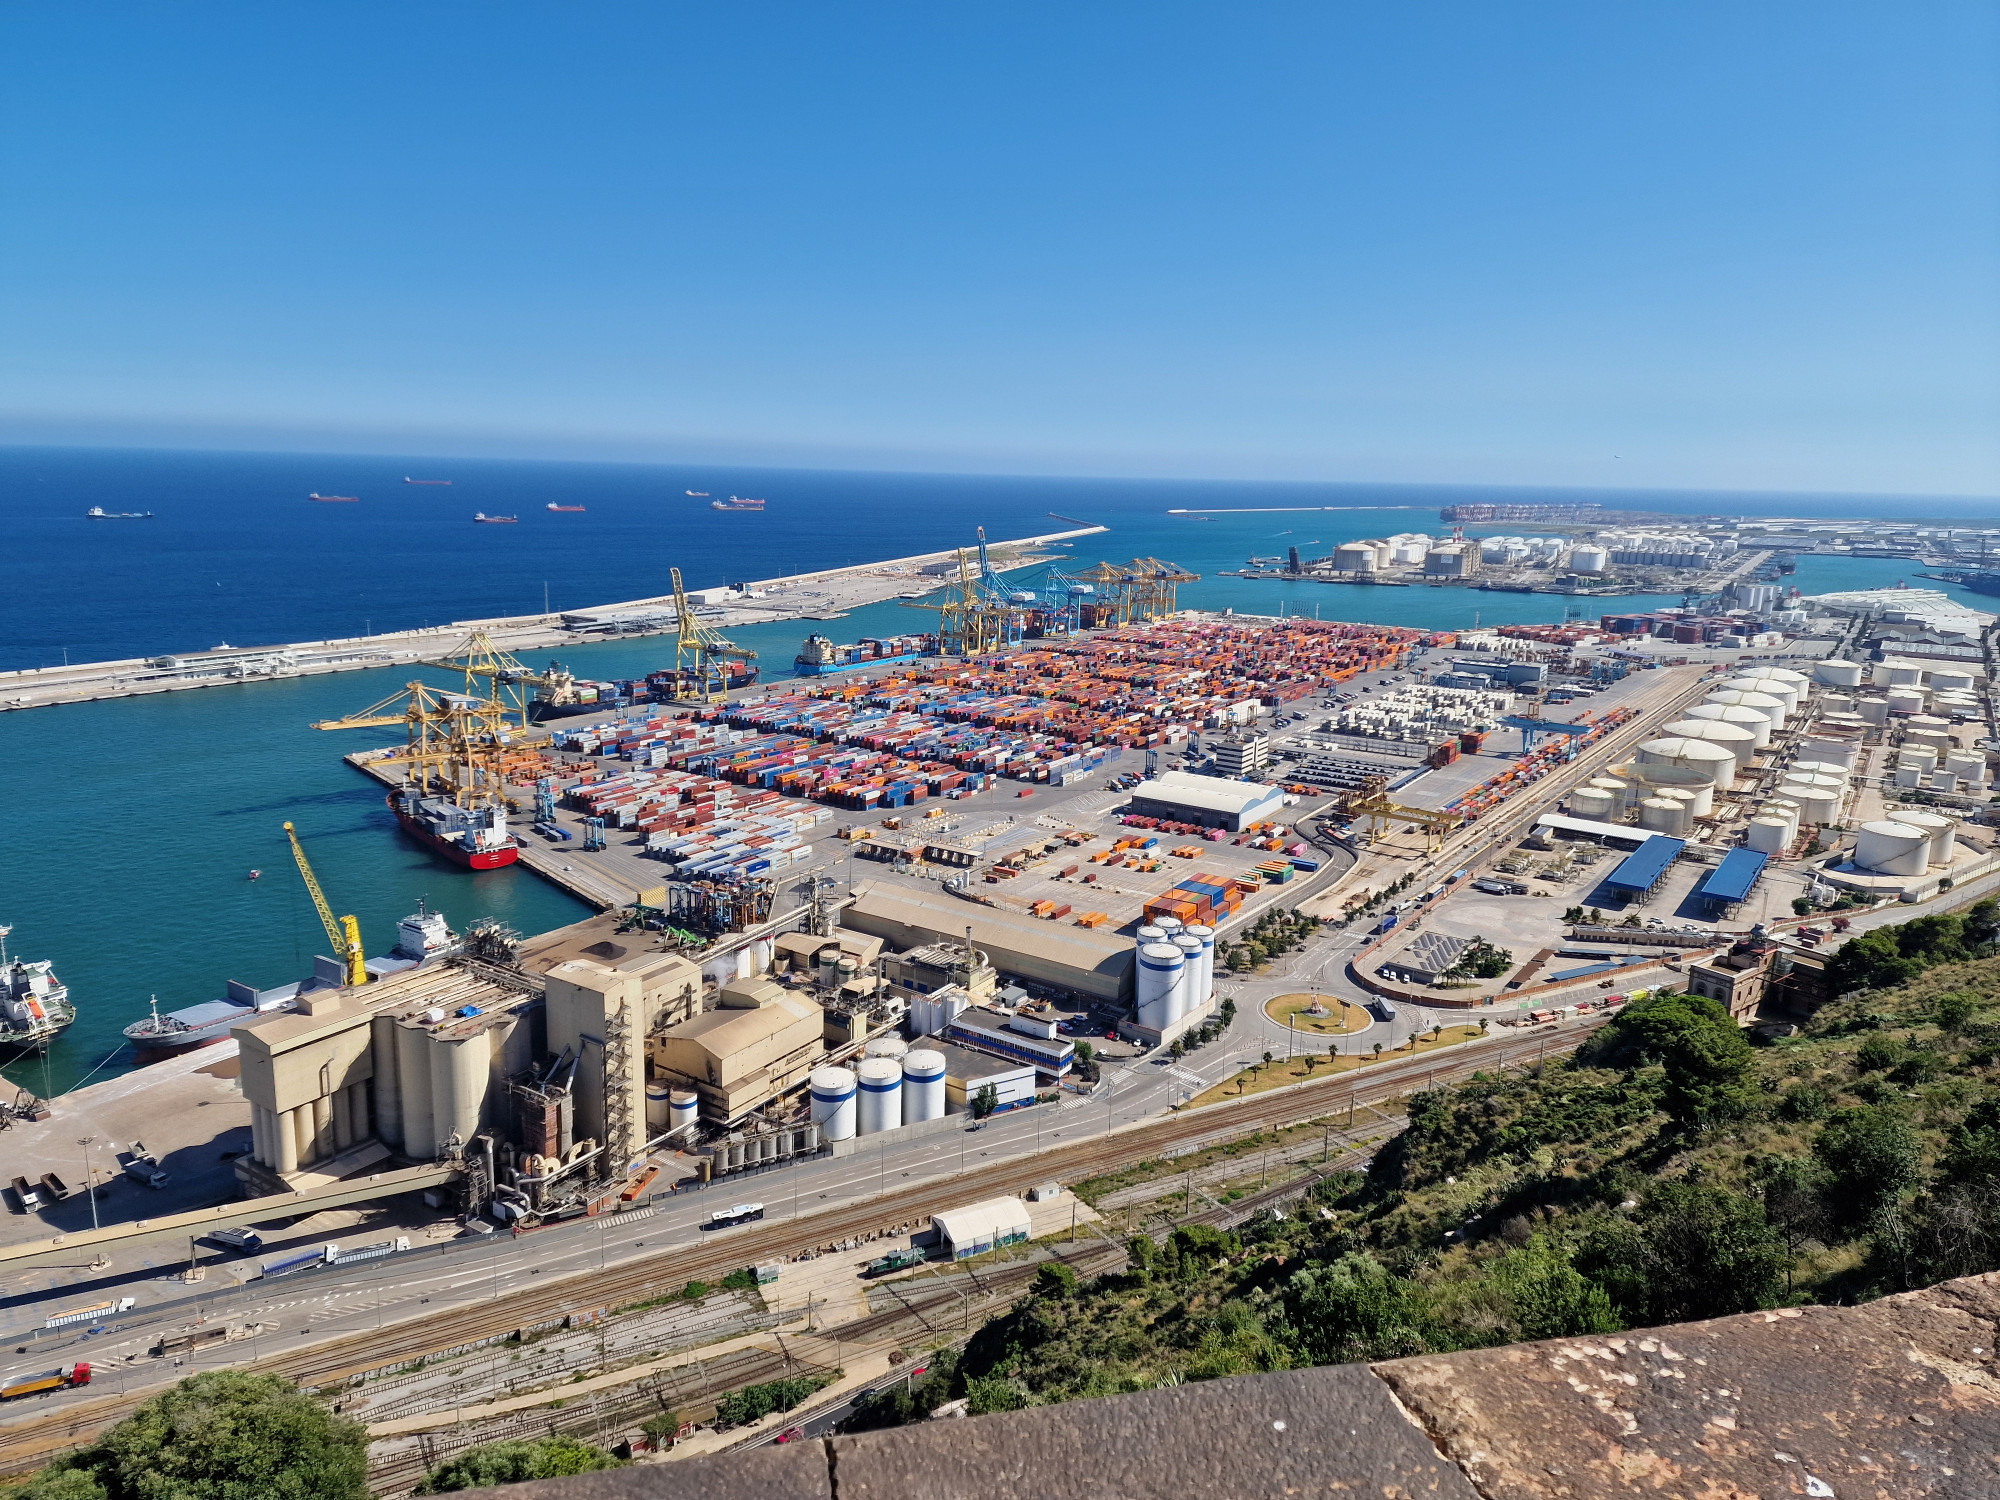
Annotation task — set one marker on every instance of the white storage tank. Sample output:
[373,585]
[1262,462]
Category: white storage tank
[1830,752]
[1161,969]
[1769,835]
[1815,804]
[1892,848]
[1968,766]
[1620,792]
[1737,740]
[833,1103]
[1700,799]
[1837,673]
[1169,927]
[1185,996]
[658,1113]
[1664,815]
[1151,933]
[1786,693]
[1588,559]
[683,1108]
[745,962]
[923,1085]
[1355,557]
[1895,672]
[1203,988]
[1951,680]
[1836,703]
[760,955]
[1939,830]
[1771,705]
[880,1098]
[1755,720]
[1905,700]
[885,1045]
[1594,803]
[1713,761]
[1802,768]
[1872,710]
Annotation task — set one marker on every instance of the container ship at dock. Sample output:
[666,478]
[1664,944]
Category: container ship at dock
[422,937]
[474,838]
[34,1005]
[819,655]
[563,695]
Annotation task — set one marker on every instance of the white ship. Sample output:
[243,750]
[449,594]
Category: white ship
[34,1004]
[422,937]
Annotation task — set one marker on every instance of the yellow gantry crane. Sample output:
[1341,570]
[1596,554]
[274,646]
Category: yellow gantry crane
[344,933]
[1371,802]
[701,665]
[455,741]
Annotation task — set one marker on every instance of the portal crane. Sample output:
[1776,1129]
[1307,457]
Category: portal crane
[701,668]
[344,933]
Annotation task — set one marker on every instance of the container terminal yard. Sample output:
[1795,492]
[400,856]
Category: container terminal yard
[855,931]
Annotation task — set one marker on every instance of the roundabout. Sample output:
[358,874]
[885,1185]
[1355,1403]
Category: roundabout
[1339,1017]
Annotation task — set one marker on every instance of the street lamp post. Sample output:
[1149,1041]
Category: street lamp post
[89,1187]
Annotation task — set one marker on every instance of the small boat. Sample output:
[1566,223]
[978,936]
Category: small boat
[333,499]
[571,509]
[481,518]
[699,494]
[99,513]
[256,874]
[408,480]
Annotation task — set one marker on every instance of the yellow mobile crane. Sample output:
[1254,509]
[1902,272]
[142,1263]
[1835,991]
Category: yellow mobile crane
[344,934]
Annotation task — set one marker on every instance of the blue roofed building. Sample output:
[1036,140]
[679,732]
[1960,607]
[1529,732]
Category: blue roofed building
[1644,868]
[1734,879]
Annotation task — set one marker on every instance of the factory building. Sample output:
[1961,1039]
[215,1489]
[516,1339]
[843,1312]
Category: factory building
[1029,1036]
[761,1041]
[1097,965]
[1207,801]
[922,972]
[967,1072]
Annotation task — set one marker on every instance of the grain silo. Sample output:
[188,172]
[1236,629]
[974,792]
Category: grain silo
[683,1108]
[923,1085]
[1161,968]
[833,1103]
[1203,988]
[1186,996]
[1892,848]
[879,1102]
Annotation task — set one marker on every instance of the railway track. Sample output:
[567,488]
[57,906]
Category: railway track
[25,1445]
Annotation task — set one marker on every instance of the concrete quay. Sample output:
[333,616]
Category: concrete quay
[823,595]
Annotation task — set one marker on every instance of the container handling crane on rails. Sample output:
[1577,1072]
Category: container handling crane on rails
[1370,801]
[455,741]
[701,655]
[345,932]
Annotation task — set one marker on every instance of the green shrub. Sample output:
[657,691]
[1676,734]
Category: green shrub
[514,1461]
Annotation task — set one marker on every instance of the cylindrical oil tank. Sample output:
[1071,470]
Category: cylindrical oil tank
[880,1080]
[1756,720]
[1161,969]
[1896,672]
[1588,559]
[923,1085]
[1354,557]
[1734,738]
[1769,835]
[1713,761]
[683,1108]
[1783,807]
[886,1045]
[1940,830]
[1836,703]
[1771,704]
[1816,804]
[1892,848]
[1185,997]
[1905,700]
[833,1107]
[413,1072]
[1815,781]
[1826,751]
[1966,765]
[1784,692]
[1204,985]
[1798,681]
[1593,802]
[1837,673]
[1664,815]
[1951,680]
[1872,710]
[659,1113]
[459,1069]
[1923,757]
[1832,769]
[1700,799]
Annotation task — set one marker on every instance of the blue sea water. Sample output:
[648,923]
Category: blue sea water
[132,824]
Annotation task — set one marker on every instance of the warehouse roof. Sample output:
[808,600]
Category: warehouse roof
[1592,828]
[978,1222]
[1732,879]
[1100,961]
[1209,793]
[1641,870]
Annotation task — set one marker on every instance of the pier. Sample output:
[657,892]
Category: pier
[825,594]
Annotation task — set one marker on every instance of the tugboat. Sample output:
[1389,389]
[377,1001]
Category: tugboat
[423,937]
[475,838]
[34,1005]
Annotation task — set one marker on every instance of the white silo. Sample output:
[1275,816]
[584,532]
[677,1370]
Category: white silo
[1742,716]
[1769,835]
[886,1045]
[1837,673]
[1185,997]
[833,1103]
[745,962]
[1594,803]
[880,1101]
[1169,927]
[683,1108]
[658,1112]
[1161,968]
[1711,760]
[1892,848]
[1203,988]
[1664,815]
[923,1085]
[1151,933]
[1940,831]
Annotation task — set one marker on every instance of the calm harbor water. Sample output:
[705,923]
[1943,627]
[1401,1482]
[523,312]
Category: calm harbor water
[133,824]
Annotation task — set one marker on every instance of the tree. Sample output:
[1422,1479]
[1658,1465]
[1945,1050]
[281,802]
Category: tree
[1872,1157]
[1548,1297]
[1705,1056]
[513,1461]
[1693,1250]
[985,1101]
[1085,1051]
[223,1435]
[663,1431]
[1801,906]
[1054,1279]
[1356,1309]
[1981,930]
[1378,1049]
[1794,1191]
[1954,1010]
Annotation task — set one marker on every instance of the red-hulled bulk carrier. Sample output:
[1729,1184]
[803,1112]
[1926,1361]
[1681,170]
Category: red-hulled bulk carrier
[476,838]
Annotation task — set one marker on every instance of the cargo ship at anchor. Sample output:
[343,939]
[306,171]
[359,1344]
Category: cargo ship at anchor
[573,509]
[819,655]
[334,499]
[474,838]
[34,1004]
[422,937]
[480,518]
[734,503]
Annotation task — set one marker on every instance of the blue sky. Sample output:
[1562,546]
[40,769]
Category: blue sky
[1750,246]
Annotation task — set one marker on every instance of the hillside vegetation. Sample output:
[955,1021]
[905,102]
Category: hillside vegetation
[1671,1170]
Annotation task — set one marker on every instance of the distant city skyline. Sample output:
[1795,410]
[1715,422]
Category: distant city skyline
[1686,247]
